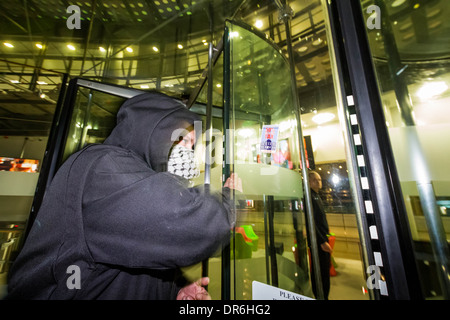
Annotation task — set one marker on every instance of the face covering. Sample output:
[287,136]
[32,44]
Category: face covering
[182,163]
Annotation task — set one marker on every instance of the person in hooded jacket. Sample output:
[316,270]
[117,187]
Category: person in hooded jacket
[119,220]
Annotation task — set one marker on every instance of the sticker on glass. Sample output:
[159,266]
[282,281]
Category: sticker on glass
[269,138]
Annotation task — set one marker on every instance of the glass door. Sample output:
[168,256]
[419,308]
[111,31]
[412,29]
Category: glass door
[93,113]
[255,130]
[410,50]
[27,117]
[270,248]
[87,115]
[268,243]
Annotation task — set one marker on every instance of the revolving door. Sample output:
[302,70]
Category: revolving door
[356,130]
[262,147]
[251,127]
[253,132]
[254,127]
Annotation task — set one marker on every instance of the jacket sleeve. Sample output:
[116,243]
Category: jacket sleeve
[320,222]
[156,222]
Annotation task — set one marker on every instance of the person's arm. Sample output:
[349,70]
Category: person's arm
[321,226]
[326,247]
[156,222]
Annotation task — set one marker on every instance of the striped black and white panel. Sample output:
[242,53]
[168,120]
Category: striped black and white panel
[363,176]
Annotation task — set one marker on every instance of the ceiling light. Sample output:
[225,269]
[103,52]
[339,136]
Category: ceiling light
[15,81]
[155,49]
[9,45]
[303,49]
[180,46]
[42,95]
[129,49]
[335,178]
[71,47]
[102,49]
[41,82]
[245,133]
[144,86]
[323,117]
[40,46]
[397,3]
[259,24]
[317,42]
[432,89]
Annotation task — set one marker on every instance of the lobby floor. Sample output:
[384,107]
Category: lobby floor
[349,282]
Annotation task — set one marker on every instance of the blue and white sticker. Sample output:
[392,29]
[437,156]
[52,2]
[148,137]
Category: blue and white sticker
[269,138]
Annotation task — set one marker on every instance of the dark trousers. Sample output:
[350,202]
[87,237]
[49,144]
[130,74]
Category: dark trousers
[324,261]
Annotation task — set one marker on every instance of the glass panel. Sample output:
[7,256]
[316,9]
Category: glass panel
[214,160]
[268,244]
[411,50]
[272,201]
[27,107]
[93,118]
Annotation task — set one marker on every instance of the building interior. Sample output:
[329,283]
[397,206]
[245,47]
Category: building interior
[163,45]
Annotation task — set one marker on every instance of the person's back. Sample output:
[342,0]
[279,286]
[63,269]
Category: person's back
[114,224]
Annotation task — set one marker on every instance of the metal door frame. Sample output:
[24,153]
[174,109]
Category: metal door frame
[60,127]
[392,248]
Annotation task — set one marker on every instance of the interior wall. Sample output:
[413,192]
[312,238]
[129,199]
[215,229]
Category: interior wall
[327,142]
[32,147]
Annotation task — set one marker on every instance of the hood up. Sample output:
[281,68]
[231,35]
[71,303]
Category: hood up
[146,125]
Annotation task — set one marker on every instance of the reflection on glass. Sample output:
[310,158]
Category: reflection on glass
[411,54]
[269,244]
[272,201]
[26,116]
[93,118]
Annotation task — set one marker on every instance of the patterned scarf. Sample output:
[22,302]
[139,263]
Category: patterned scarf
[182,163]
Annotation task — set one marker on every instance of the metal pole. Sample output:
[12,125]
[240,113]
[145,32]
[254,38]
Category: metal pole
[355,184]
[208,127]
[285,15]
[88,39]
[272,249]
[228,156]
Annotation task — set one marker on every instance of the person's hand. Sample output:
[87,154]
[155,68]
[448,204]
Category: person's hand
[195,291]
[234,182]
[326,247]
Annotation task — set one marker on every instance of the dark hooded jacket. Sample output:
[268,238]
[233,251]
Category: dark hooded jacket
[114,224]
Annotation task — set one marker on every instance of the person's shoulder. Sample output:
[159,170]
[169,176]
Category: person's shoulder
[106,156]
[172,178]
[102,149]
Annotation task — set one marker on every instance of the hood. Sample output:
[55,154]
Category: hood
[146,123]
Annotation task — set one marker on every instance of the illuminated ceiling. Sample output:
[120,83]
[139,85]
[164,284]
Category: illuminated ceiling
[162,45]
